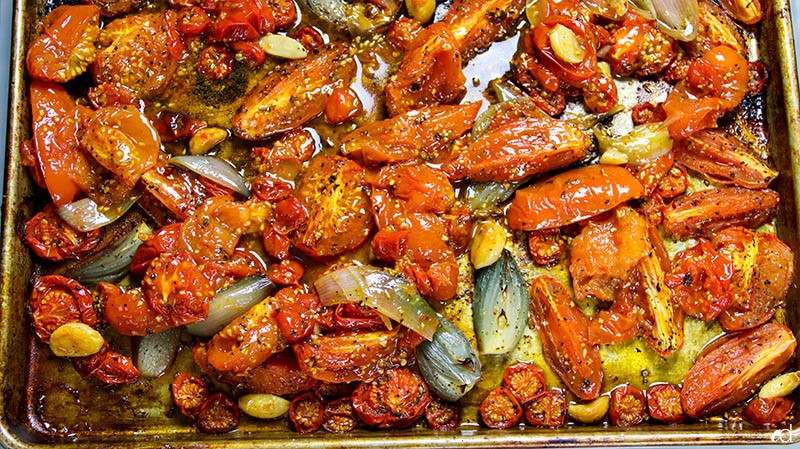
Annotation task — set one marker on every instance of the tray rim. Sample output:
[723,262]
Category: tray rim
[597,436]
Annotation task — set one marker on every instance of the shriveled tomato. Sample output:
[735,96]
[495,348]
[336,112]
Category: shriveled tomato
[108,367]
[707,212]
[423,133]
[309,37]
[617,324]
[243,20]
[768,410]
[296,320]
[546,247]
[571,72]
[271,188]
[345,356]
[214,230]
[564,331]
[572,196]
[664,403]
[518,150]
[215,62]
[628,406]
[600,93]
[123,141]
[294,93]
[218,414]
[295,146]
[51,238]
[757,79]
[55,301]
[393,400]
[247,341]
[541,84]
[66,47]
[129,313]
[429,75]
[332,189]
[524,380]
[647,113]
[730,370]
[193,21]
[339,416]
[110,95]
[286,272]
[162,241]
[404,189]
[700,281]
[352,316]
[176,289]
[763,269]
[651,173]
[189,393]
[306,412]
[475,25]
[547,410]
[174,126]
[288,215]
[342,105]
[134,51]
[440,415]
[67,170]
[404,32]
[500,410]
[276,244]
[639,46]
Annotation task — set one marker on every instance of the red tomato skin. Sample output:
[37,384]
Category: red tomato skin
[355,317]
[176,290]
[524,380]
[193,21]
[252,53]
[700,281]
[189,393]
[441,416]
[215,62]
[108,367]
[573,74]
[51,238]
[342,105]
[345,356]
[55,301]
[218,414]
[549,409]
[628,406]
[164,240]
[500,410]
[286,272]
[664,403]
[765,411]
[306,412]
[393,400]
[389,245]
[66,45]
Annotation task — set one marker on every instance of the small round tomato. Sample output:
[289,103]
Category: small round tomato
[664,403]
[66,47]
[600,93]
[388,245]
[215,62]
[339,416]
[249,52]
[108,367]
[268,187]
[276,244]
[547,410]
[701,281]
[189,393]
[218,414]
[524,380]
[288,215]
[193,21]
[175,44]
[310,38]
[394,399]
[647,113]
[768,410]
[573,73]
[56,301]
[638,46]
[306,412]
[51,238]
[628,406]
[546,247]
[757,77]
[441,415]
[296,321]
[174,126]
[673,183]
[500,410]
[286,272]
[175,288]
[342,105]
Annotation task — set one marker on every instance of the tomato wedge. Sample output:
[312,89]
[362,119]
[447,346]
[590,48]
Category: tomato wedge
[51,238]
[345,356]
[66,47]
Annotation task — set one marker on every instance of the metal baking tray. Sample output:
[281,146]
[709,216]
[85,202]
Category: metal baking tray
[92,416]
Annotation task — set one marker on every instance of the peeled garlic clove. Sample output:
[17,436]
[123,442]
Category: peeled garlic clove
[207,138]
[487,244]
[263,406]
[565,45]
[282,46]
[590,412]
[613,157]
[780,386]
[76,340]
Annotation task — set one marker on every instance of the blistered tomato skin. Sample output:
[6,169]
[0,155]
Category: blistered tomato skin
[768,410]
[57,300]
[628,406]
[664,403]
[500,410]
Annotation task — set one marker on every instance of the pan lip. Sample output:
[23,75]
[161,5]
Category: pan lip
[577,436]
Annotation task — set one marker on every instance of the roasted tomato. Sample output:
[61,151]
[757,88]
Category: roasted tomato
[639,46]
[714,84]
[428,75]
[218,414]
[342,105]
[51,238]
[651,173]
[242,20]
[715,28]
[213,231]
[423,133]
[67,170]
[248,340]
[286,272]
[707,212]
[572,196]
[393,400]
[294,93]
[339,416]
[268,187]
[664,403]
[647,113]
[500,410]
[123,141]
[176,290]
[440,415]
[564,331]
[215,62]
[276,244]
[309,37]
[279,375]
[476,25]
[173,126]
[546,247]
[189,393]
[768,411]
[66,47]
[351,316]
[306,412]
[162,241]
[112,8]
[573,67]
[520,149]
[757,79]
[748,12]
[700,281]
[524,380]
[605,252]
[346,356]
[295,146]
[730,369]
[547,410]
[108,367]
[55,301]
[134,52]
[722,158]
[763,269]
[628,406]
[129,313]
[193,21]
[389,245]
[332,189]
[178,190]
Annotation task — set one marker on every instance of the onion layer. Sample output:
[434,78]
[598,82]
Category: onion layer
[85,215]
[231,303]
[448,363]
[155,352]
[214,169]
[115,263]
[645,143]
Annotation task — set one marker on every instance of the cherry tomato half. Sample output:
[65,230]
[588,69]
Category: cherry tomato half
[215,62]
[628,406]
[500,410]
[547,246]
[393,400]
[440,415]
[768,410]
[51,238]
[218,414]
[176,289]
[108,367]
[189,393]
[339,416]
[664,403]
[524,380]
[547,410]
[342,105]
[306,412]
[56,301]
